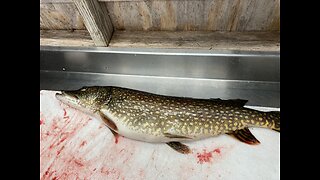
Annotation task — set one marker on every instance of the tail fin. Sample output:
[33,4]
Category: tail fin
[274,117]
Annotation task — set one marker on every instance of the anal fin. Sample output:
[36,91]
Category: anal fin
[179,147]
[244,135]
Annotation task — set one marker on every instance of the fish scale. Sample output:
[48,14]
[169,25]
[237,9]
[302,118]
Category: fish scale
[156,118]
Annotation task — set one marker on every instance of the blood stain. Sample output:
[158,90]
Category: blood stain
[83,143]
[62,139]
[79,163]
[41,121]
[51,146]
[101,126]
[64,112]
[217,151]
[116,139]
[207,156]
[204,157]
[105,170]
[121,150]
[59,151]
[54,126]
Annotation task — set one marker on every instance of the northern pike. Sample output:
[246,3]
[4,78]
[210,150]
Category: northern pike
[156,118]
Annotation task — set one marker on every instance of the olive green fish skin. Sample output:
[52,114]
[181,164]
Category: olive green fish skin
[157,116]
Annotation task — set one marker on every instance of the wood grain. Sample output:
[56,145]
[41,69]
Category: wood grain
[60,16]
[65,38]
[96,20]
[67,1]
[213,15]
[175,15]
[248,41]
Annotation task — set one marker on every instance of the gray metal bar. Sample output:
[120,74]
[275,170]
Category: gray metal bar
[197,74]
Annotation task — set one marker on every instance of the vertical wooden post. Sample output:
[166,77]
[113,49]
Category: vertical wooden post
[97,22]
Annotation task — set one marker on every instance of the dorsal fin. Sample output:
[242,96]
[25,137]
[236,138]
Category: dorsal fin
[234,102]
[238,102]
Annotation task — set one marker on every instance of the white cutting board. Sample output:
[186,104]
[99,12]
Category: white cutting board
[74,145]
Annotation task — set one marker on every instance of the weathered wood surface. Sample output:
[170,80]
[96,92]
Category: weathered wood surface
[60,16]
[55,1]
[212,15]
[65,38]
[221,15]
[97,21]
[251,41]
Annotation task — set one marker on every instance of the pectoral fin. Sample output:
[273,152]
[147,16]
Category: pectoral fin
[111,125]
[245,136]
[108,122]
[115,134]
[179,147]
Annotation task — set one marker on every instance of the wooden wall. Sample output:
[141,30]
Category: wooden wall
[60,15]
[251,25]
[172,15]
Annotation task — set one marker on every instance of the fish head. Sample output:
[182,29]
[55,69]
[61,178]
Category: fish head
[87,99]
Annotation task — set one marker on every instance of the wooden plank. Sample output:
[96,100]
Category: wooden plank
[176,15]
[141,0]
[97,21]
[68,1]
[55,1]
[56,16]
[203,15]
[248,41]
[65,38]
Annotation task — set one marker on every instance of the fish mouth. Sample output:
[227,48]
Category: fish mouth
[59,96]
[66,93]
[67,97]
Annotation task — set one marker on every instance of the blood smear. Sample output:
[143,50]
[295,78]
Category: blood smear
[207,156]
[217,151]
[204,157]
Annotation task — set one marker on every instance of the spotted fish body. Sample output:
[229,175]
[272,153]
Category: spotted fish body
[155,118]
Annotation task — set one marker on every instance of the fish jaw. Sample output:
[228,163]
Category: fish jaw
[68,99]
[72,101]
